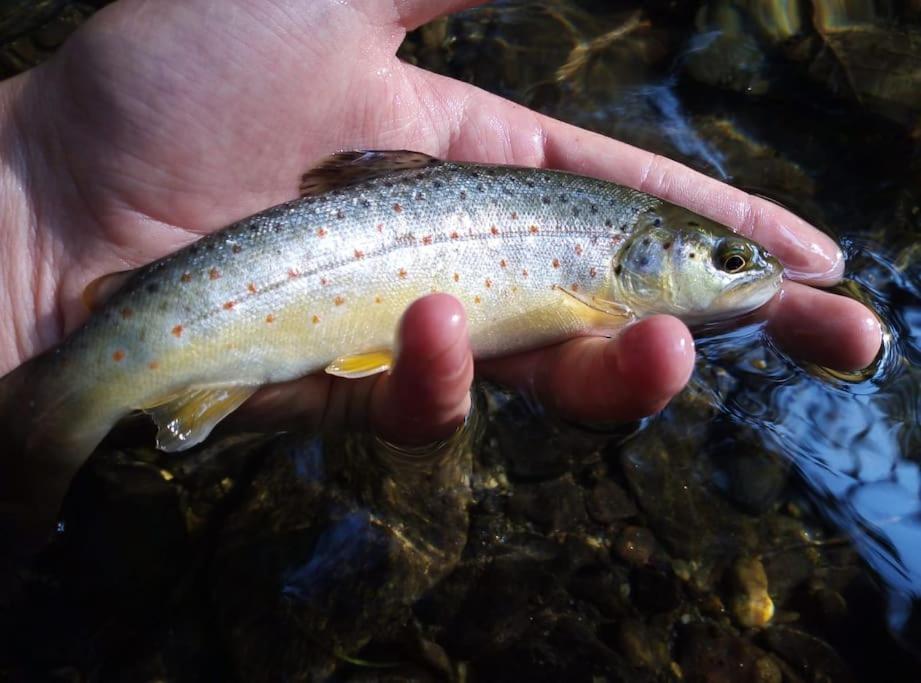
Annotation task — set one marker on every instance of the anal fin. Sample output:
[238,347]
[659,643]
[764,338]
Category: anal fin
[361,364]
[186,419]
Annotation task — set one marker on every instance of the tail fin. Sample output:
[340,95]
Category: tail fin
[39,455]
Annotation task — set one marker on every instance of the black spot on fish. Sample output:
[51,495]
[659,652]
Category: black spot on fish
[340,215]
[609,223]
[463,195]
[692,255]
[575,211]
[645,241]
[657,222]
[563,198]
[545,199]
[666,245]
[593,208]
[617,269]
[419,196]
[437,184]
[529,183]
[481,187]
[692,224]
[152,288]
[365,204]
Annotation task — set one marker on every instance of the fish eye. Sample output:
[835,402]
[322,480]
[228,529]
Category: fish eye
[733,258]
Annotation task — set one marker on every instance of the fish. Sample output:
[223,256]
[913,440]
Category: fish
[319,283]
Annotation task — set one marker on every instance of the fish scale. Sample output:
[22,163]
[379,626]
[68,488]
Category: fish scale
[321,281]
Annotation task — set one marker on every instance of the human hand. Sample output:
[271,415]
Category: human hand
[159,122]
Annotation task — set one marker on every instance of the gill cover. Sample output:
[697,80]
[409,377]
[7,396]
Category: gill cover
[682,264]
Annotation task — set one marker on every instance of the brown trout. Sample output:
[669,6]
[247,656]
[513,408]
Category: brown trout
[535,256]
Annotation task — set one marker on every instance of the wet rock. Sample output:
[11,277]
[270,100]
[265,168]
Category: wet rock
[333,545]
[750,604]
[810,657]
[643,646]
[608,589]
[555,504]
[607,502]
[710,655]
[635,545]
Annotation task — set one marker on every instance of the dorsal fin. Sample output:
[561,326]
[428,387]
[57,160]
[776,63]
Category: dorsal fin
[347,168]
[99,290]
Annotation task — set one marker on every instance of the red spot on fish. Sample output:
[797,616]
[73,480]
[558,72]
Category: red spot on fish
[524,273]
[377,299]
[118,356]
[578,250]
[324,281]
[488,283]
[186,278]
[533,229]
[359,254]
[214,273]
[380,227]
[177,331]
[575,287]
[338,300]
[153,365]
[228,305]
[127,313]
[397,208]
[476,299]
[503,264]
[402,273]
[251,287]
[514,215]
[321,232]
[315,319]
[293,273]
[555,263]
[236,249]
[454,235]
[270,318]
[427,239]
[494,230]
[456,277]
[592,271]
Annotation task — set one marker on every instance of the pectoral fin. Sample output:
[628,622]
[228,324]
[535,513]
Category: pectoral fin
[361,364]
[186,420]
[600,313]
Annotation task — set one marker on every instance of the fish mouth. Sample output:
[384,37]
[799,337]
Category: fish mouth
[751,295]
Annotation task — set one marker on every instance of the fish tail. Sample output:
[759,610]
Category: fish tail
[40,451]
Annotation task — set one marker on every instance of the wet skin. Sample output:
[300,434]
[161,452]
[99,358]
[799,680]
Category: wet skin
[160,122]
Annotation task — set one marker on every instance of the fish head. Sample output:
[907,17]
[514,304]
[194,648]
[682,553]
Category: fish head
[682,264]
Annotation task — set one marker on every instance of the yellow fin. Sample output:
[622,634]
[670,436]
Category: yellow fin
[99,290]
[600,313]
[186,419]
[361,364]
[347,168]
